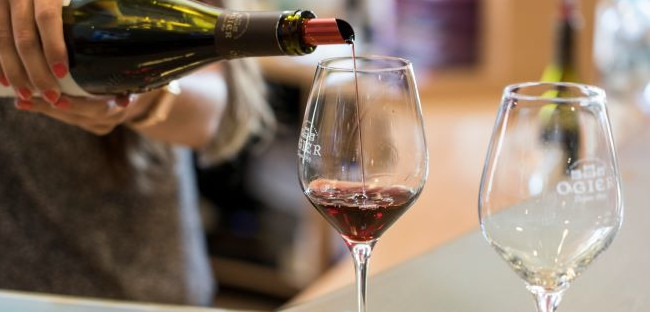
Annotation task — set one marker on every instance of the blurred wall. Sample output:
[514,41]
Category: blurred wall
[515,43]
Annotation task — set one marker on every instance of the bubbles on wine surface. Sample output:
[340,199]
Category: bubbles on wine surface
[370,199]
[359,213]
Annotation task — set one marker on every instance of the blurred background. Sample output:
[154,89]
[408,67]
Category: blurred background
[269,247]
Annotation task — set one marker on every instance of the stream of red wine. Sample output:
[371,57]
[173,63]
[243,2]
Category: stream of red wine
[356,86]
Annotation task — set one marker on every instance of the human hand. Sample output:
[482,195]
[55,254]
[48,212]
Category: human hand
[97,115]
[32,49]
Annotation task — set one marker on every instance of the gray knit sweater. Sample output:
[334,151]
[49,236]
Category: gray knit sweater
[67,229]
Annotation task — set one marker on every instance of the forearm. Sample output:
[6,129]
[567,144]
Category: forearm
[195,113]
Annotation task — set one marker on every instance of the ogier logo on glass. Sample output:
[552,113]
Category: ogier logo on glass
[589,181]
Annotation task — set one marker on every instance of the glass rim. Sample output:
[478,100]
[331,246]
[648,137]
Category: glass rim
[327,63]
[589,92]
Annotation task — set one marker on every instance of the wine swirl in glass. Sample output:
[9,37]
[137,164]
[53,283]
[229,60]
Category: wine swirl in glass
[550,198]
[363,159]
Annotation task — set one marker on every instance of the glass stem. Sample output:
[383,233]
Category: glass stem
[547,301]
[361,253]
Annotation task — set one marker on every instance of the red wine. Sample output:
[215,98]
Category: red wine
[358,106]
[360,213]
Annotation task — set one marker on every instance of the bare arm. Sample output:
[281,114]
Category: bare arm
[195,113]
[192,119]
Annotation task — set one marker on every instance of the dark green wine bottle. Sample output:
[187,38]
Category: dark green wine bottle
[132,46]
[563,68]
[561,122]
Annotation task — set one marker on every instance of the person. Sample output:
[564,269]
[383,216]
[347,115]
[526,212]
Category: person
[97,197]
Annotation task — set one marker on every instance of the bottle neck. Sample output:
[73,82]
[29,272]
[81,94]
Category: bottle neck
[243,34]
[291,33]
[566,36]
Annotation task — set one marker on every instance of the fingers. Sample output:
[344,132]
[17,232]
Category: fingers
[93,108]
[3,78]
[99,116]
[12,67]
[28,44]
[50,25]
[5,38]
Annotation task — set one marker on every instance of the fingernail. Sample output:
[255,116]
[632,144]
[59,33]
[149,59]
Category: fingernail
[25,94]
[60,70]
[62,103]
[123,101]
[24,105]
[51,96]
[4,81]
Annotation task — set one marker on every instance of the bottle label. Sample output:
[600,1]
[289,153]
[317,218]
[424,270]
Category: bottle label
[242,34]
[66,2]
[6,91]
[68,87]
[235,24]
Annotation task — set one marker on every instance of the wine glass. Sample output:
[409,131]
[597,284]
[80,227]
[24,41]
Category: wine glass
[550,197]
[362,153]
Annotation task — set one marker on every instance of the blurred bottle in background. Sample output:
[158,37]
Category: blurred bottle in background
[563,67]
[622,51]
[562,124]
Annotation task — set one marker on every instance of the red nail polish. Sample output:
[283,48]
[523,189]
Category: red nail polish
[51,96]
[123,101]
[25,94]
[60,70]
[62,103]
[24,105]
[4,81]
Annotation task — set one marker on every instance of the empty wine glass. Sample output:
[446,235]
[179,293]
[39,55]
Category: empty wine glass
[550,197]
[362,153]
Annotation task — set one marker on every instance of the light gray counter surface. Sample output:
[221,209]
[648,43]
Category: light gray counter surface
[466,275]
[11,301]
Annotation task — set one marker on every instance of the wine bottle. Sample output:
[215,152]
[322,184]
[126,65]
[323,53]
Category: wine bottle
[563,68]
[562,123]
[132,46]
